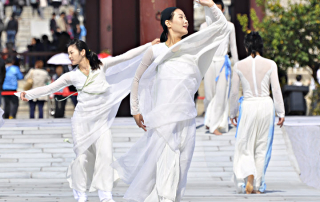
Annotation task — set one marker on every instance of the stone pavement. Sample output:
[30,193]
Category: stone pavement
[34,159]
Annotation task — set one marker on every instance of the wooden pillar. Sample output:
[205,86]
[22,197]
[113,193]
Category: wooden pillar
[242,7]
[106,25]
[93,24]
[126,25]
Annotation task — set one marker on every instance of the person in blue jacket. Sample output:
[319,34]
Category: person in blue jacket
[10,83]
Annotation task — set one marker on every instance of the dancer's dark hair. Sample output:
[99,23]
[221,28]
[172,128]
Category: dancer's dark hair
[166,14]
[253,43]
[219,2]
[92,56]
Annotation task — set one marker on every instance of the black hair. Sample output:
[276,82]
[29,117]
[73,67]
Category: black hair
[62,13]
[219,2]
[298,77]
[53,14]
[166,14]
[45,37]
[253,43]
[90,55]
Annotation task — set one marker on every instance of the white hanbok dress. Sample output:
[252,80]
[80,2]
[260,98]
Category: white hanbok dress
[99,97]
[157,165]
[256,119]
[217,86]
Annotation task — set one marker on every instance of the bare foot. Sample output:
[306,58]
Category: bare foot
[217,132]
[249,186]
[258,192]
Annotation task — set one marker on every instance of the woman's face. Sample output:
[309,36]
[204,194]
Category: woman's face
[179,23]
[74,55]
[59,70]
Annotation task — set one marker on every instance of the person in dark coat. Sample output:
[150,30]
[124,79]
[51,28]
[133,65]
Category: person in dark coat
[2,75]
[75,25]
[12,29]
[53,23]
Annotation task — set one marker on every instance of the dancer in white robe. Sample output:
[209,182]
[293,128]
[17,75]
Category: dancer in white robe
[101,87]
[217,83]
[255,125]
[169,75]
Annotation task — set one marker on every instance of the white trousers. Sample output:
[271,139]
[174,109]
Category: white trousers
[92,168]
[253,145]
[216,97]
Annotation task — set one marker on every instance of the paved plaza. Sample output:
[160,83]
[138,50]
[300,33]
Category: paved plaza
[34,159]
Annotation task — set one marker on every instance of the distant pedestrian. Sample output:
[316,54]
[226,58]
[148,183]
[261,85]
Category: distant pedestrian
[56,5]
[43,5]
[2,76]
[11,102]
[40,78]
[35,7]
[75,25]
[83,32]
[12,29]
[60,106]
[53,23]
[17,7]
[61,22]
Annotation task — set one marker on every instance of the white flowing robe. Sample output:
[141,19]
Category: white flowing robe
[255,128]
[156,166]
[216,102]
[99,97]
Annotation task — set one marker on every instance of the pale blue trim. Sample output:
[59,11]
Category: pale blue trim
[263,185]
[240,114]
[227,65]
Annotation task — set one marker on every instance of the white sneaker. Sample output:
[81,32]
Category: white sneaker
[82,200]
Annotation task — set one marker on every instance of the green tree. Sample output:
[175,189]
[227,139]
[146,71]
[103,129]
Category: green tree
[291,34]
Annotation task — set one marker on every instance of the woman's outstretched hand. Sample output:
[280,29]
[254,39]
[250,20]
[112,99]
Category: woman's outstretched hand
[234,121]
[280,122]
[139,121]
[23,96]
[156,41]
[208,3]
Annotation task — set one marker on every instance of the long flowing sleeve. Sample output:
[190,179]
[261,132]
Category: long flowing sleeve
[145,63]
[60,83]
[210,41]
[276,91]
[111,61]
[235,83]
[233,44]
[213,14]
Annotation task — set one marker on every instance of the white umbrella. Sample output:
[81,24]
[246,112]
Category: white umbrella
[60,59]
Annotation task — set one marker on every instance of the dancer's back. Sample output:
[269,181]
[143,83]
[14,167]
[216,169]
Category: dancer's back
[256,75]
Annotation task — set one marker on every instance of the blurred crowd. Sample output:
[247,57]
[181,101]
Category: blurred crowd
[38,76]
[63,27]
